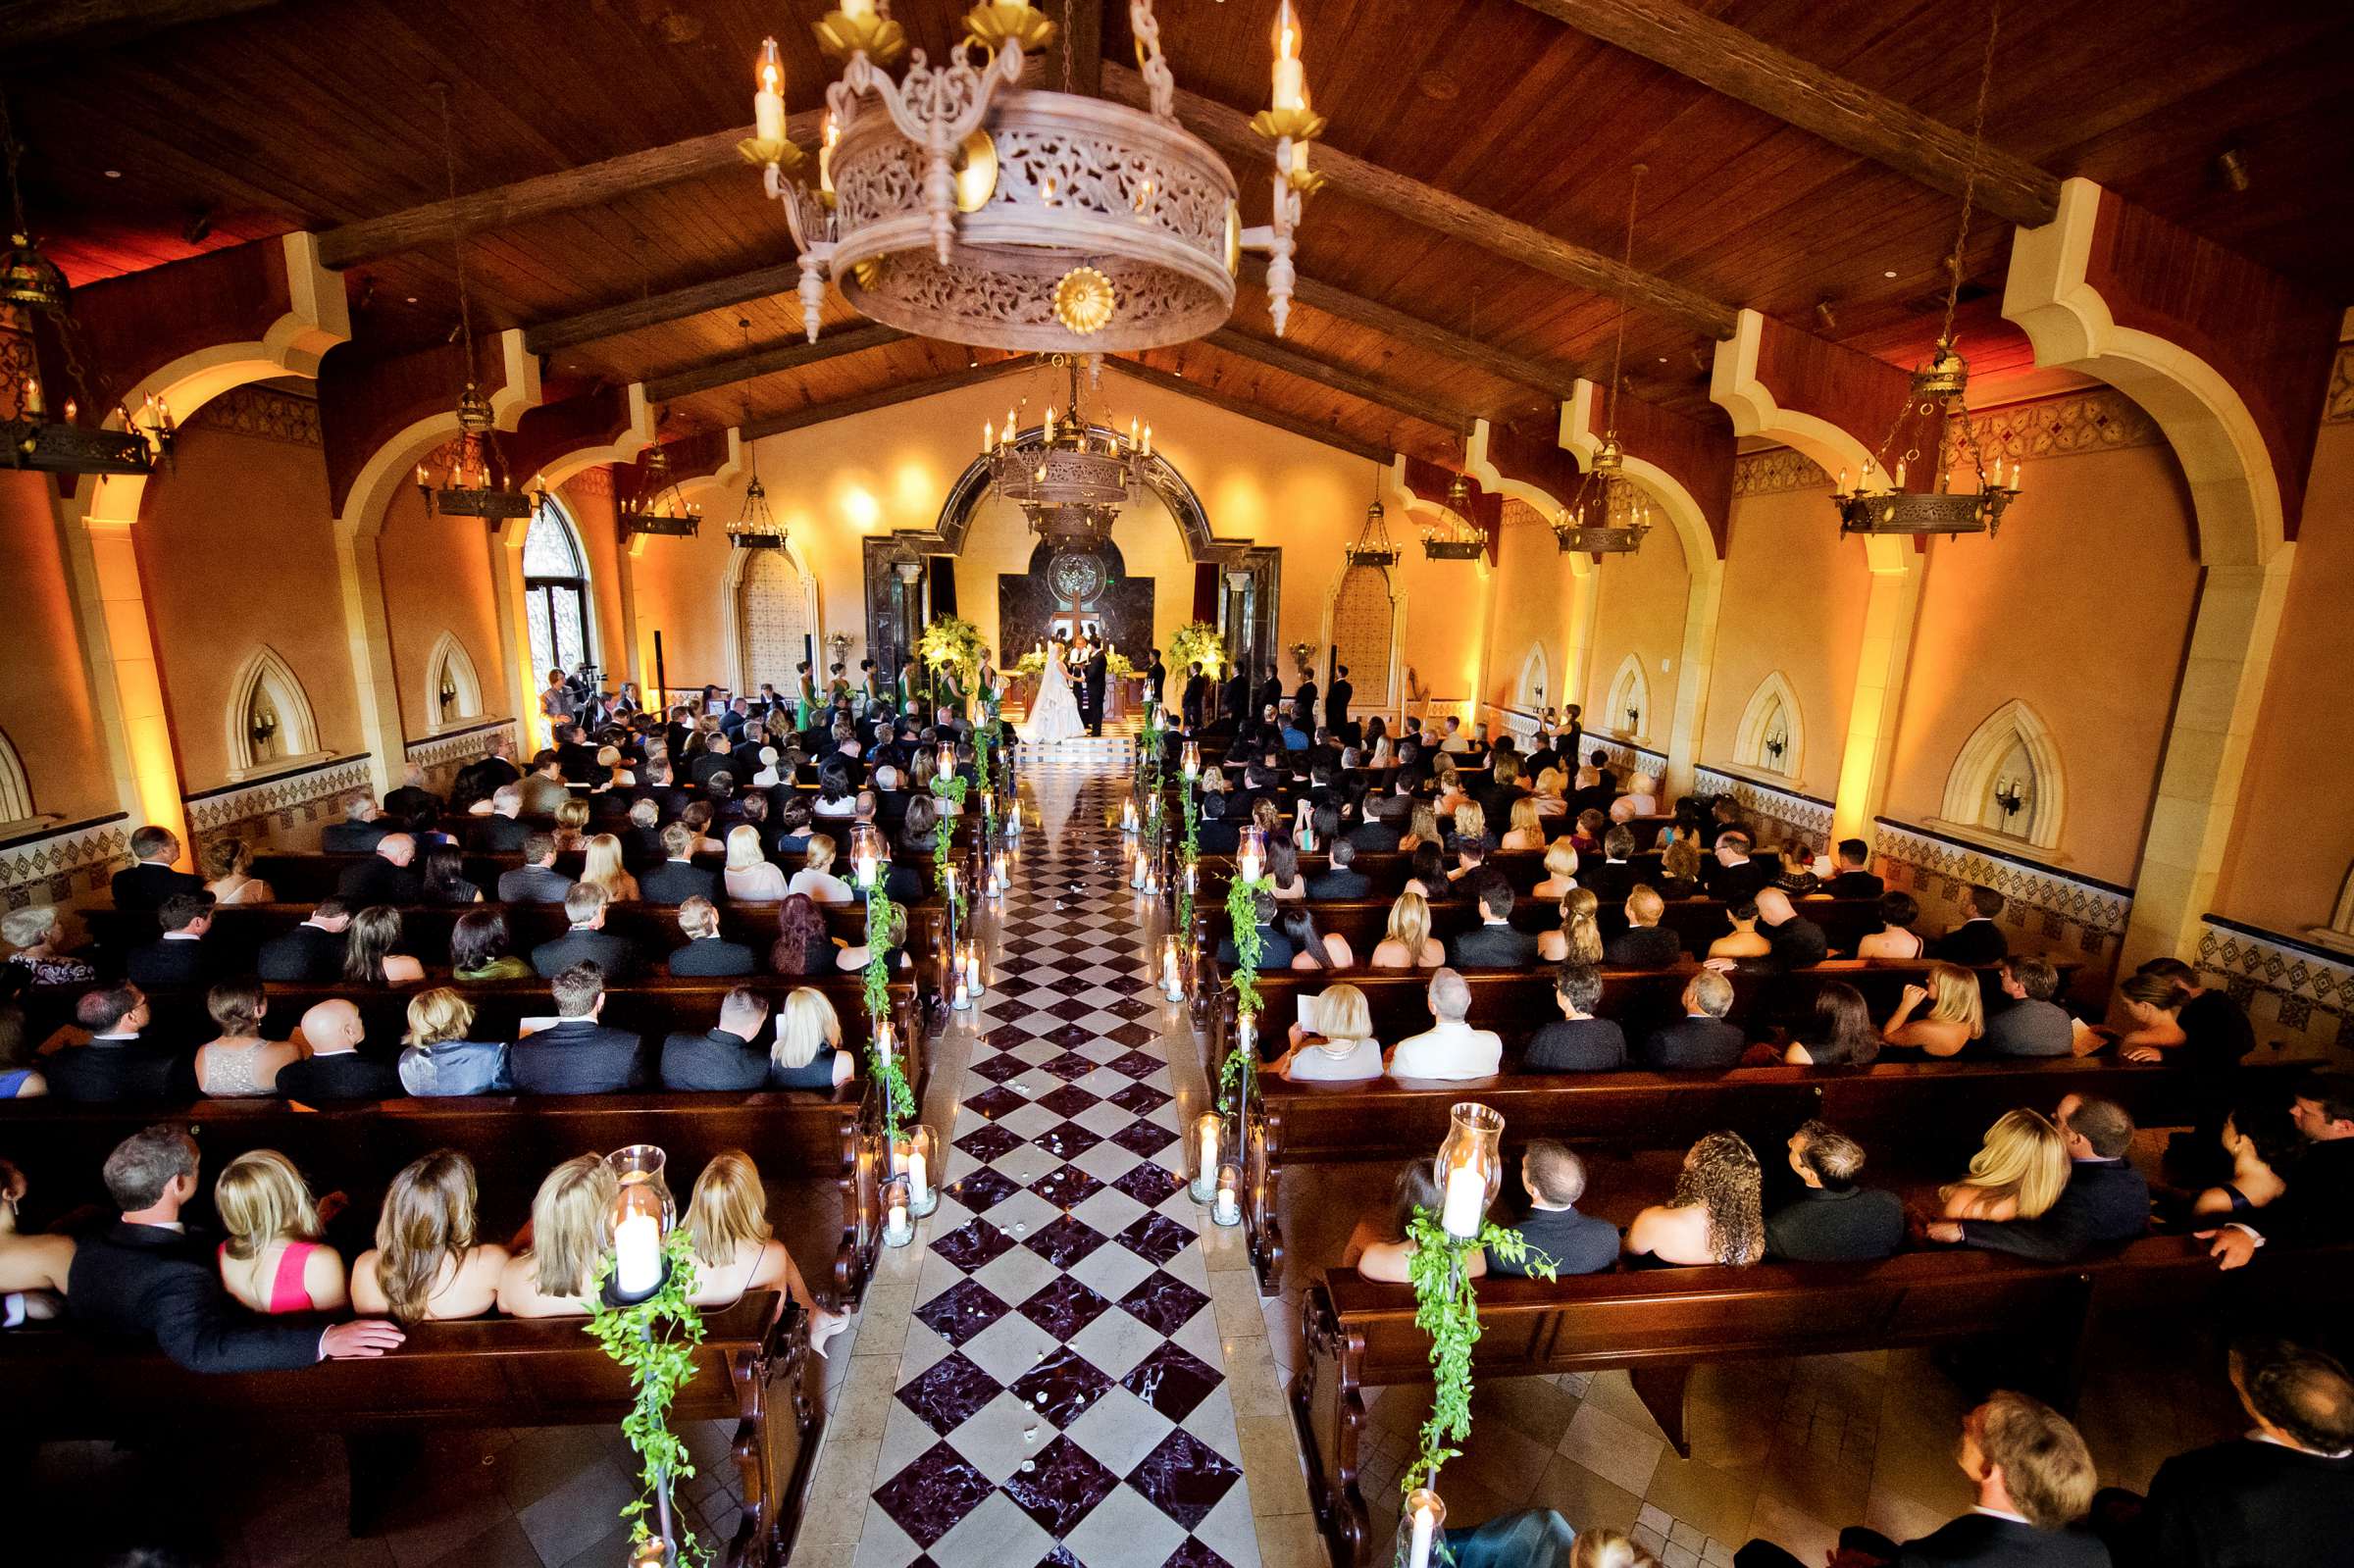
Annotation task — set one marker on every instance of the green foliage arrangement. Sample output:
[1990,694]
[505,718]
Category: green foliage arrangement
[655,1342]
[1447,1308]
[1118,667]
[1197,641]
[953,642]
[1189,860]
[899,1098]
[1238,1072]
[951,788]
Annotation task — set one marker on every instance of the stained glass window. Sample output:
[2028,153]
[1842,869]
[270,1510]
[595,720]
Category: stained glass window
[555,600]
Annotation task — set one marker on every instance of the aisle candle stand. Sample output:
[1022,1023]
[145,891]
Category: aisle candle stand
[870,863]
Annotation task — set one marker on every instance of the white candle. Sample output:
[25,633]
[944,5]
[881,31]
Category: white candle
[897,1230]
[1209,1154]
[1291,81]
[1247,865]
[637,1254]
[972,967]
[1230,1208]
[962,999]
[768,98]
[1467,1197]
[1148,440]
[1418,1555]
[919,1180]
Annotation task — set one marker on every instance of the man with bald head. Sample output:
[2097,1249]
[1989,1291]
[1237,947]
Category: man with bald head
[334,1068]
[386,877]
[1798,943]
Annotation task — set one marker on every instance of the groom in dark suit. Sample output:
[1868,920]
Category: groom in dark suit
[1094,668]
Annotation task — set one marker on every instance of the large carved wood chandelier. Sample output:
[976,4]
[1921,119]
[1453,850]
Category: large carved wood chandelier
[956,204]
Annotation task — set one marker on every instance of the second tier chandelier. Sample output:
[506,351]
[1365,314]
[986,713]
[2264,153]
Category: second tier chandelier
[1069,476]
[1610,513]
[956,204]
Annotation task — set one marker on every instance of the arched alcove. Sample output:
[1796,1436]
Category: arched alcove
[2007,779]
[1530,690]
[558,611]
[1628,711]
[1364,630]
[769,606]
[1160,477]
[16,790]
[1772,737]
[270,727]
[454,692]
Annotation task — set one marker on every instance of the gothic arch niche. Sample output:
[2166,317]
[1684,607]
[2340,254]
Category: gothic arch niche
[1528,694]
[1771,737]
[16,790]
[1364,635]
[2007,779]
[269,724]
[453,693]
[770,610]
[1628,711]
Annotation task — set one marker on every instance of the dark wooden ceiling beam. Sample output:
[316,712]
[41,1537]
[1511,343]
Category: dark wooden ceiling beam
[611,321]
[1797,93]
[53,24]
[1292,361]
[791,356]
[1306,429]
[882,397]
[1554,380]
[1444,211]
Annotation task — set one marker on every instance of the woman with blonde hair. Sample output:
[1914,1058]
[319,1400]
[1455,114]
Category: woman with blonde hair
[1407,941]
[1579,939]
[735,1250]
[227,862]
[1468,827]
[1341,1048]
[372,954]
[1956,1016]
[1421,827]
[240,1064]
[2020,1172]
[441,1056]
[1715,1214]
[618,775]
[1551,794]
[816,880]
[807,1049]
[426,1264]
[603,868]
[572,821]
[751,877]
[274,1261]
[1527,830]
[571,1230]
[1608,1548]
[1560,870]
[1642,799]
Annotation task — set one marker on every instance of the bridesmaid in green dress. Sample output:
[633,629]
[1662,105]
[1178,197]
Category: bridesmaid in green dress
[805,698]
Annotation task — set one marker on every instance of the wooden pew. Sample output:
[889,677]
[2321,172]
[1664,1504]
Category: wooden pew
[308,876]
[1659,1324]
[755,1367]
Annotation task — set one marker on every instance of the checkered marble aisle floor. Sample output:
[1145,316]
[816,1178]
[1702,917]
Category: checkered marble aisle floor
[1061,1392]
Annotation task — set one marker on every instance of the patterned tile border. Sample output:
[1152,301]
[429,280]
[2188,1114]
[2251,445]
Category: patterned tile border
[1777,468]
[264,412]
[2040,901]
[443,755]
[281,811]
[1624,755]
[2094,420]
[61,865]
[1790,814]
[2307,995]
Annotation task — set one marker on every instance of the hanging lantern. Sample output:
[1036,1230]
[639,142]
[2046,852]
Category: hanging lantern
[870,854]
[1251,854]
[642,1214]
[1191,762]
[1469,1169]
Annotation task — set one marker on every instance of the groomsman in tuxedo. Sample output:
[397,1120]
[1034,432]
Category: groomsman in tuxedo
[1196,695]
[1095,668]
[1335,706]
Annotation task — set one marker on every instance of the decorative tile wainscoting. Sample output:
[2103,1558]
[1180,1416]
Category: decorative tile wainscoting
[2043,904]
[2296,993]
[65,864]
[287,811]
[1776,816]
[443,755]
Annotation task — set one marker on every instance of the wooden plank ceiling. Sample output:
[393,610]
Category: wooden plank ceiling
[176,126]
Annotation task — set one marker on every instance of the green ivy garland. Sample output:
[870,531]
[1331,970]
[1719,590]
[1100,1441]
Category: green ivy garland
[1447,1308]
[944,832]
[1189,866]
[655,1341]
[899,1100]
[1239,1071]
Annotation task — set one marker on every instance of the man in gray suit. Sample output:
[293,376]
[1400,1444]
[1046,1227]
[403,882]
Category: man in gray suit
[588,942]
[2033,1023]
[536,881]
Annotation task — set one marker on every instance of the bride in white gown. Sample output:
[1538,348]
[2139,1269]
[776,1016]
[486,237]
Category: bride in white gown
[1053,712]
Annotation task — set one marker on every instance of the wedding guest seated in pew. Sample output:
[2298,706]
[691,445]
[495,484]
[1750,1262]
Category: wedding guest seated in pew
[1851,879]
[1679,869]
[1468,832]
[1493,942]
[2262,1140]
[150,879]
[240,1064]
[553,1273]
[372,952]
[1382,1250]
[274,1261]
[331,1067]
[1527,830]
[439,1057]
[601,868]
[807,1052]
[1275,950]
[857,955]
[1714,1216]
[19,1079]
[1340,881]
[1593,826]
[1421,827]
[1555,1231]
[1578,938]
[572,826]
[1745,944]
[575,1054]
[2017,1173]
[1613,877]
[1730,873]
[115,1063]
[1560,870]
[536,881]
[2106,1199]
[1340,1048]
[737,1252]
[359,830]
[587,942]
[751,877]
[1645,943]
[34,1269]
[180,956]
[815,880]
[722,1058]
[1896,939]
[426,1265]
[2319,1205]
[1577,1041]
[227,870]
[1956,1014]
[1793,940]
[1283,870]
[678,878]
[1839,1033]
[1407,941]
[34,932]
[1430,876]
[479,948]
[1834,1220]
[1450,1048]
[148,1277]
[1311,947]
[444,881]
[803,945]
[1978,939]
[311,951]
[498,827]
[1642,799]
[1798,878]
[706,953]
[388,876]
[1701,1040]
[1551,794]
[2031,1023]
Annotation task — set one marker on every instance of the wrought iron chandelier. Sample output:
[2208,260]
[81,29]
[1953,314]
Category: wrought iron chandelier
[474,478]
[755,526]
[660,506]
[1610,513]
[956,204]
[31,285]
[1373,547]
[1071,476]
[1454,537]
[1935,419]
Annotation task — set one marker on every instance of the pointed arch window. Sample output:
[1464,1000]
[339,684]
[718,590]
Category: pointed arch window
[555,591]
[1629,709]
[270,727]
[453,693]
[1529,694]
[1772,737]
[16,791]
[2006,780]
